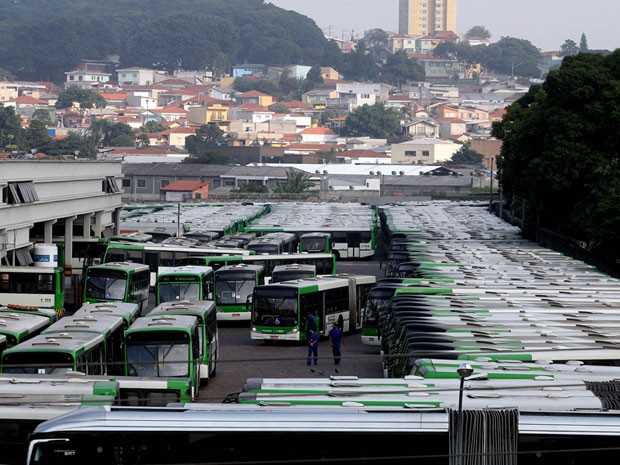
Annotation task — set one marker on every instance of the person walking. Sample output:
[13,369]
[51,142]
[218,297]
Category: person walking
[309,322]
[335,339]
[313,346]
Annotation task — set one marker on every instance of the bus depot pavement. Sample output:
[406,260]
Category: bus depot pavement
[241,358]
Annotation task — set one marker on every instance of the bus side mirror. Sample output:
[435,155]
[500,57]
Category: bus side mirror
[248,303]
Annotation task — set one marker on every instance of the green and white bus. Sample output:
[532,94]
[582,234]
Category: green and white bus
[325,263]
[206,314]
[18,327]
[234,285]
[159,257]
[279,310]
[165,346]
[117,281]
[315,242]
[57,353]
[33,286]
[291,272]
[274,243]
[188,282]
[126,310]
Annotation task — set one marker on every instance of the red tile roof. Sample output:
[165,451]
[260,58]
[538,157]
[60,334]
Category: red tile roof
[184,186]
[28,100]
[320,131]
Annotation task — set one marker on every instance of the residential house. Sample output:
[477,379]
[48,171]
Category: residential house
[142,101]
[115,100]
[318,136]
[173,97]
[319,96]
[222,93]
[254,97]
[297,71]
[290,123]
[183,191]
[250,112]
[175,83]
[177,136]
[425,151]
[214,113]
[401,42]
[449,127]
[86,79]
[25,101]
[437,68]
[171,113]
[328,72]
[369,93]
[472,114]
[418,127]
[398,101]
[489,148]
[9,91]
[136,76]
[245,70]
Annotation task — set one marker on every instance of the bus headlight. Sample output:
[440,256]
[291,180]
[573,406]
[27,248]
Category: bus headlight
[253,329]
[294,331]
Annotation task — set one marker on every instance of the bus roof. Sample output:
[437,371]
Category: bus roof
[195,308]
[240,267]
[67,342]
[20,325]
[129,266]
[128,311]
[167,322]
[186,270]
[101,324]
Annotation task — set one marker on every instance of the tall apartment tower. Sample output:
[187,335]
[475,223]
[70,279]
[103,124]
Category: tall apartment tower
[425,17]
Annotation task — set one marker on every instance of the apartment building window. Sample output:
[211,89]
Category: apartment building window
[410,153]
[126,183]
[110,186]
[164,182]
[15,193]
[141,182]
[426,153]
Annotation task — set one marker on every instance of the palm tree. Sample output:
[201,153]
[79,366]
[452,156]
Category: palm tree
[297,182]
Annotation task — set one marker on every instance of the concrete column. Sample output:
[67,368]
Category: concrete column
[98,226]
[69,242]
[87,217]
[47,231]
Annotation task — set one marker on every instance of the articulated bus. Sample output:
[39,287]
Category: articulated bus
[159,257]
[187,282]
[206,314]
[33,286]
[325,263]
[279,310]
[234,285]
[165,346]
[117,281]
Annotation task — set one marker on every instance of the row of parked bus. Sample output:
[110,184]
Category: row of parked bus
[163,356]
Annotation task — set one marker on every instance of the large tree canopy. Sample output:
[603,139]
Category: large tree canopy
[42,39]
[375,121]
[560,155]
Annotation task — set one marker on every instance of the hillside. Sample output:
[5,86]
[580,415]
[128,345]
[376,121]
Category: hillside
[42,39]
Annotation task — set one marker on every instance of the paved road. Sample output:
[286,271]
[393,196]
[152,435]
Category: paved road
[242,358]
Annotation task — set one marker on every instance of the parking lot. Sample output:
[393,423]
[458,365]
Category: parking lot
[242,358]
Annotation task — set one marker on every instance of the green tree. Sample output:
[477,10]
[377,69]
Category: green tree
[207,135]
[477,32]
[512,57]
[359,65]
[569,48]
[583,43]
[85,98]
[36,135]
[314,75]
[375,41]
[560,156]
[400,69]
[297,182]
[43,116]
[152,127]
[445,50]
[375,121]
[107,133]
[11,131]
[466,156]
[252,188]
[279,108]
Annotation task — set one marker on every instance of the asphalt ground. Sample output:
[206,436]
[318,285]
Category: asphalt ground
[242,358]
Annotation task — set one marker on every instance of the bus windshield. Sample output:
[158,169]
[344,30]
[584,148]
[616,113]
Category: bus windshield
[313,244]
[275,306]
[171,292]
[234,288]
[37,363]
[106,284]
[378,301]
[156,358]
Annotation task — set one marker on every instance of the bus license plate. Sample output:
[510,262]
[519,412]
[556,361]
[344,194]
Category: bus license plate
[273,337]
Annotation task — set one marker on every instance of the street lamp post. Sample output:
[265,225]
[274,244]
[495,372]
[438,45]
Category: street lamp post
[464,370]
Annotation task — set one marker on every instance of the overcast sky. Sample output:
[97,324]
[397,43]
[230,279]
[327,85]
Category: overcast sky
[545,23]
